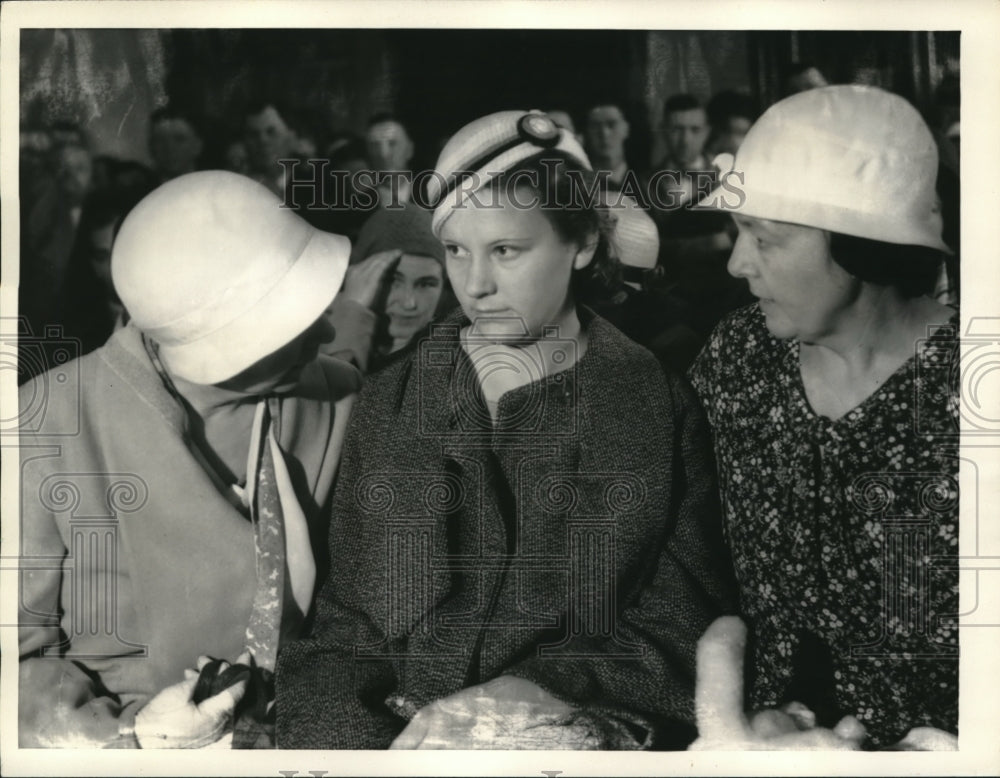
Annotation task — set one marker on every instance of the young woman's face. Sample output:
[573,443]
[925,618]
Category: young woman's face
[508,266]
[413,295]
[803,292]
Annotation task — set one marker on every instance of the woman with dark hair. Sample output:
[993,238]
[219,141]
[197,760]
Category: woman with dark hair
[525,542]
[834,404]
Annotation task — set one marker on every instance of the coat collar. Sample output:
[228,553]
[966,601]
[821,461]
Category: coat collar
[604,344]
[125,354]
[440,368]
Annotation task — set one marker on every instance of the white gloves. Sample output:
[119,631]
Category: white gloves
[172,720]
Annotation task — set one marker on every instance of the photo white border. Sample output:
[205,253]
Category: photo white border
[979,23]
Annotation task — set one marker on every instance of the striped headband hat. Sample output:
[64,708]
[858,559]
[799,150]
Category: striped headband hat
[491,145]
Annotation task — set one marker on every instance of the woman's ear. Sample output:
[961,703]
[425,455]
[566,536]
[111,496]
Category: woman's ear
[585,254]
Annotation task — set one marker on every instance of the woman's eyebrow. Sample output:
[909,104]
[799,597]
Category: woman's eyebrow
[498,241]
[758,227]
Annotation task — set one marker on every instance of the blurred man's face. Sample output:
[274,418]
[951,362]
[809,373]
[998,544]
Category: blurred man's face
[606,131]
[175,147]
[73,171]
[100,242]
[389,146]
[236,158]
[268,139]
[687,132]
[731,138]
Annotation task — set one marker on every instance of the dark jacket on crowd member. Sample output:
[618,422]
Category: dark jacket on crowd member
[575,544]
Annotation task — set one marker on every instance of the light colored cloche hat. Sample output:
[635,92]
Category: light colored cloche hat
[493,144]
[851,159]
[212,268]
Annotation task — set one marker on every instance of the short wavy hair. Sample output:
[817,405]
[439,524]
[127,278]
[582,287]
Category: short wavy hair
[912,270]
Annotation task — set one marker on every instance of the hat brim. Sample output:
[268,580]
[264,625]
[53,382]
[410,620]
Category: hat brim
[284,313]
[777,207]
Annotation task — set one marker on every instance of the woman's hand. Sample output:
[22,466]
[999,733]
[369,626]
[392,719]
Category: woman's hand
[926,739]
[507,712]
[722,724]
[364,279]
[172,720]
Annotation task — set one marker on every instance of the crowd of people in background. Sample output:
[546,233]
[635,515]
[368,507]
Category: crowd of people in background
[653,435]
[72,200]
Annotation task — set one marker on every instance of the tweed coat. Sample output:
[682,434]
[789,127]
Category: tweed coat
[133,562]
[575,543]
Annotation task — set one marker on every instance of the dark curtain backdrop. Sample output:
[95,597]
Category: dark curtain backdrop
[331,81]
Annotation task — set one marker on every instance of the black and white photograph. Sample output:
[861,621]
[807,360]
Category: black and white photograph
[499,381]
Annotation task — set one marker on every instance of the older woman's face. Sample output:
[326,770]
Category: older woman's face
[803,293]
[508,266]
[280,370]
[413,295]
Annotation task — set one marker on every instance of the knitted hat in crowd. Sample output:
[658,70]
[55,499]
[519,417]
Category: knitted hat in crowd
[850,159]
[407,228]
[493,144]
[211,267]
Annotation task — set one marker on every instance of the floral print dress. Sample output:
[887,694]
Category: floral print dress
[844,533]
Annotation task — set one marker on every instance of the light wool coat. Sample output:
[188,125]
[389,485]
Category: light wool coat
[133,561]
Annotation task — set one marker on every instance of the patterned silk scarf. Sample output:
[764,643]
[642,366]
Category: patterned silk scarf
[275,513]
[281,542]
[264,628]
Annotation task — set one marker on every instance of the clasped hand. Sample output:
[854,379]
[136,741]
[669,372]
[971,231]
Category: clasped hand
[173,720]
[723,725]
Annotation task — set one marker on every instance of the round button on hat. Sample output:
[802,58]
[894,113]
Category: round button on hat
[851,159]
[493,144]
[212,268]
[539,128]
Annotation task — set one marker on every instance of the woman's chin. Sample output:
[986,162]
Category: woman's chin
[403,332]
[506,331]
[777,323]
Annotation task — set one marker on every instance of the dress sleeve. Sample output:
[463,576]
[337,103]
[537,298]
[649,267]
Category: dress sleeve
[692,585]
[62,703]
